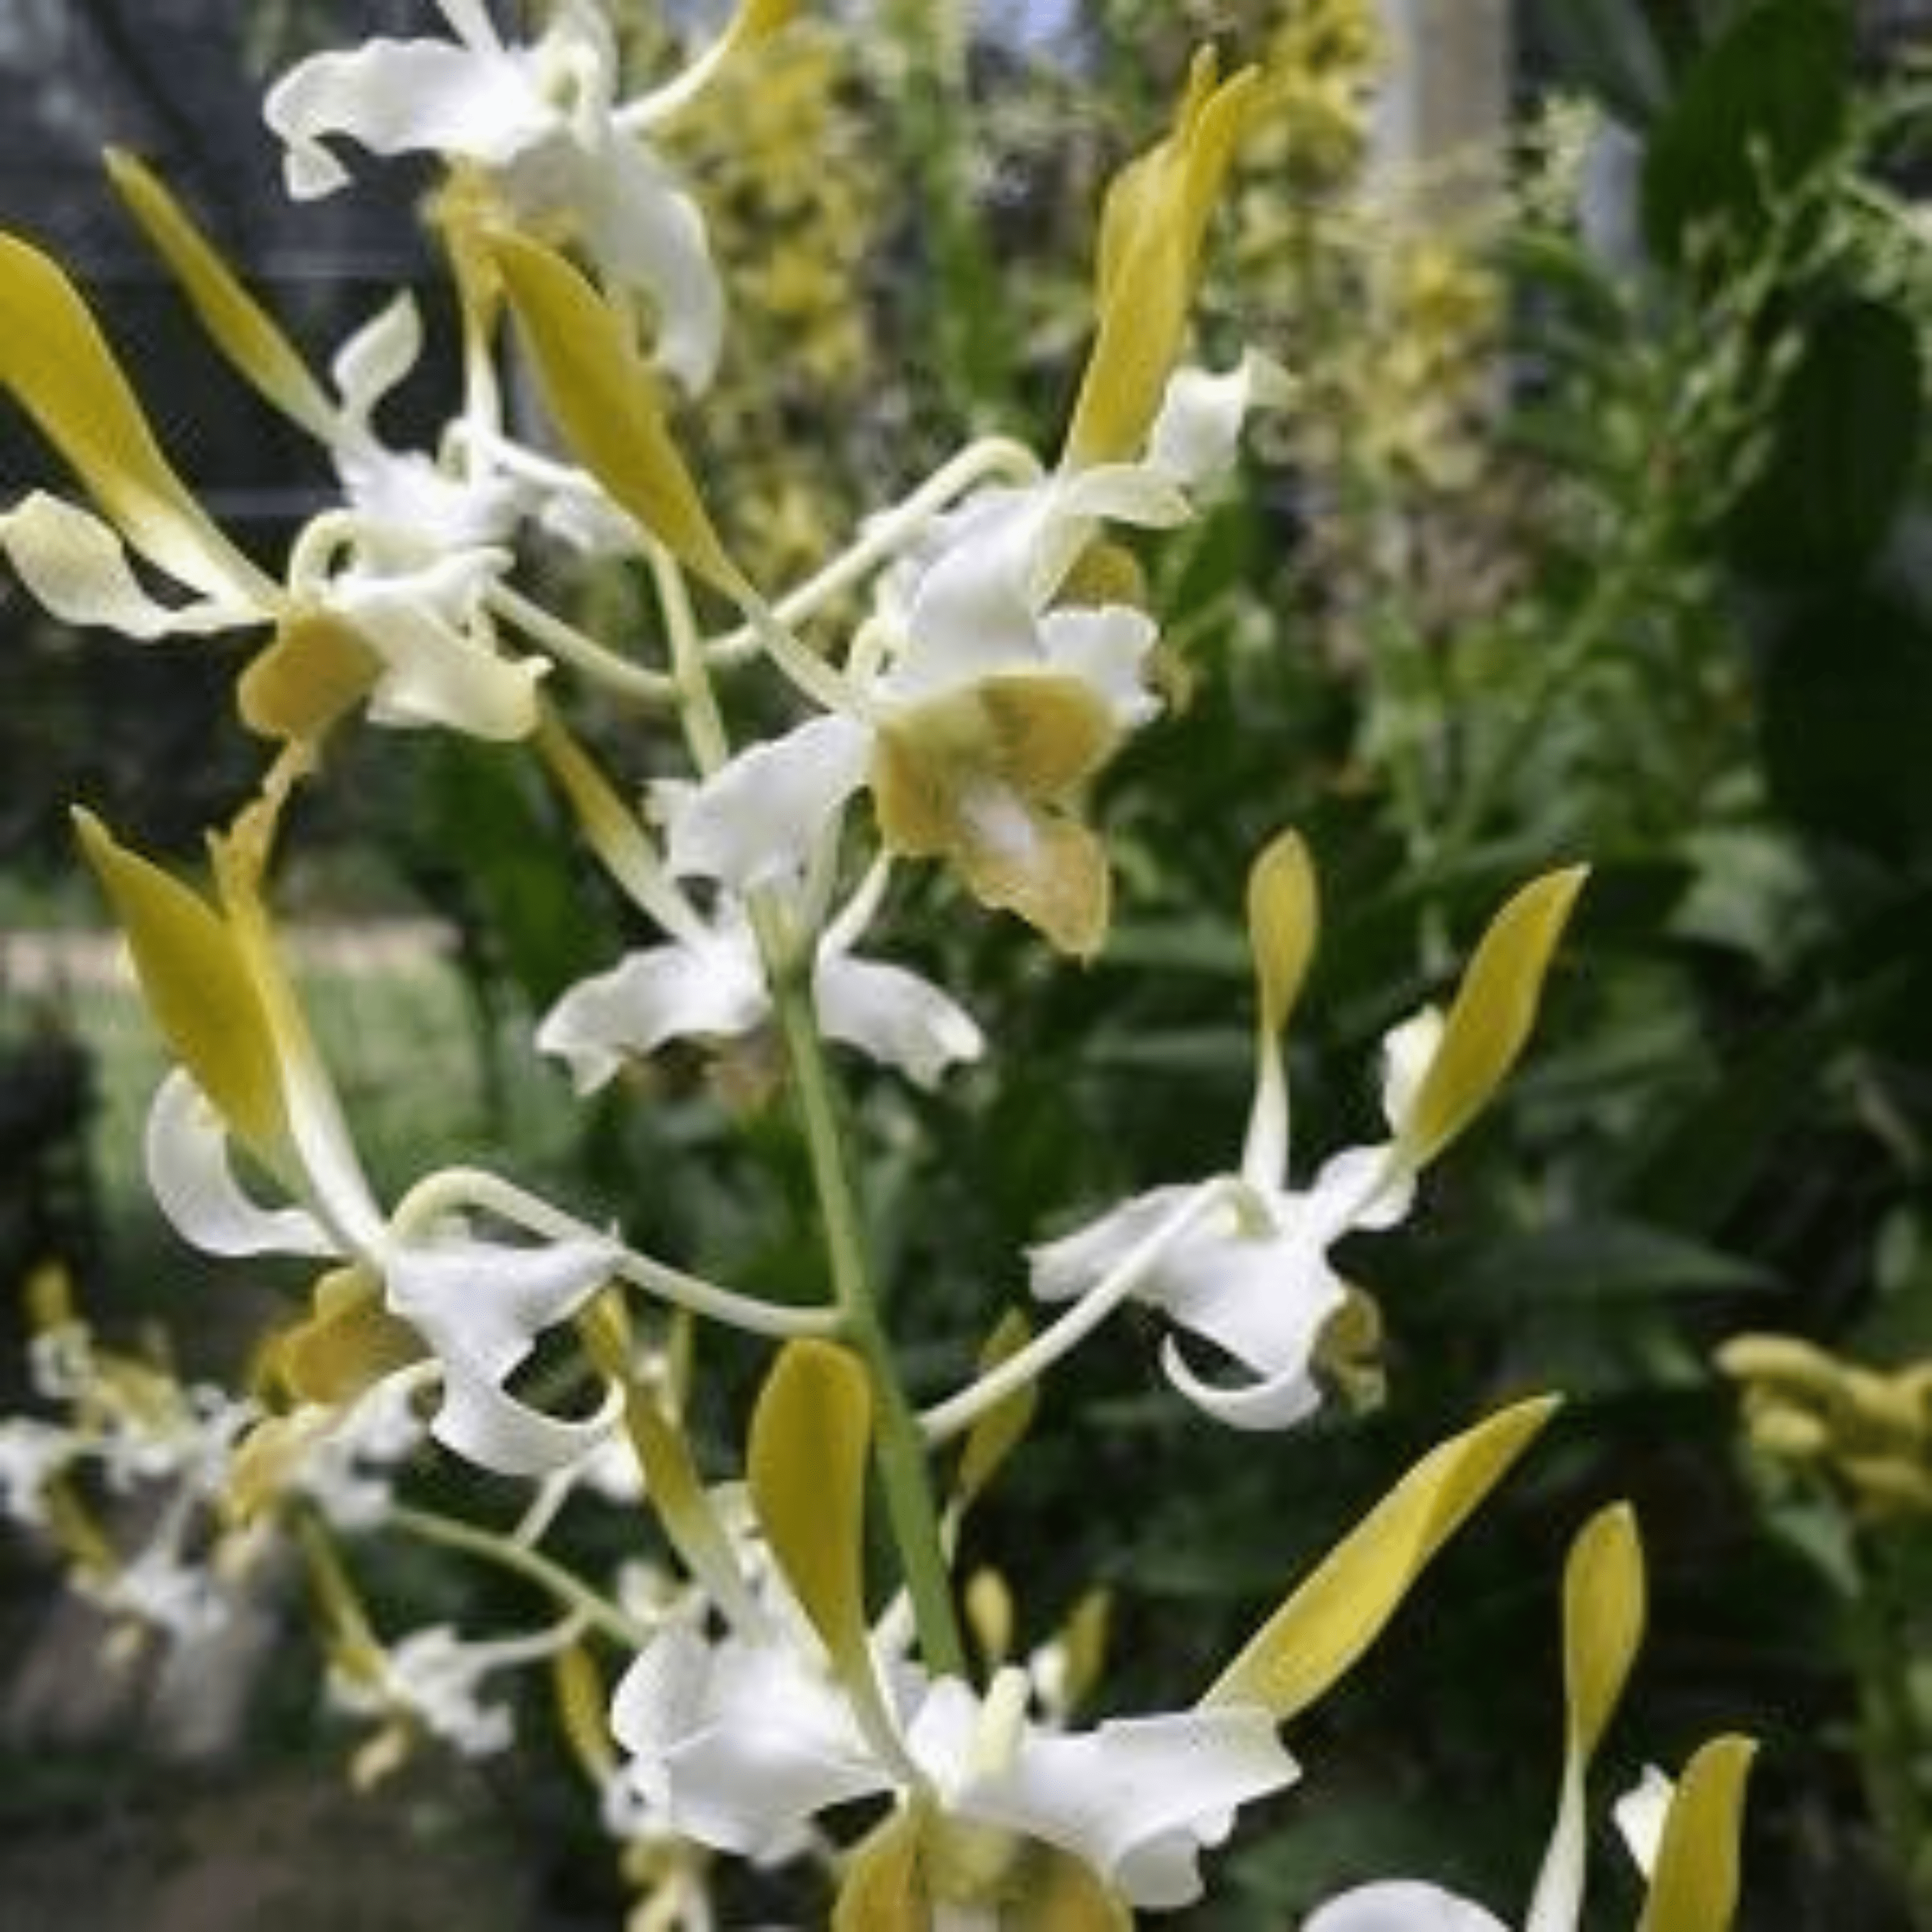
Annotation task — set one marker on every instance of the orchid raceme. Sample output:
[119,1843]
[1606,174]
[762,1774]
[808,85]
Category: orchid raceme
[1254,1277]
[248,1069]
[1684,1839]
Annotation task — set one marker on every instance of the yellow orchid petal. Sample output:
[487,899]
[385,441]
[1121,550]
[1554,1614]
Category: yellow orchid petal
[315,671]
[1151,231]
[1493,1011]
[347,1342]
[881,1889]
[971,776]
[811,1440]
[998,1432]
[236,323]
[1059,1893]
[583,1708]
[607,403]
[54,359]
[1603,1621]
[1694,1887]
[1603,1625]
[987,1604]
[1335,1614]
[198,986]
[672,1479]
[1284,918]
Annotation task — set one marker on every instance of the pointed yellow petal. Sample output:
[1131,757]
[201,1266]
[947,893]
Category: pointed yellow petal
[63,374]
[1603,1622]
[347,1342]
[989,1605]
[198,987]
[672,1479]
[583,1703]
[1694,1887]
[237,324]
[1151,231]
[316,669]
[811,1441]
[998,1432]
[1317,1634]
[1284,917]
[607,402]
[1494,1009]
[881,1889]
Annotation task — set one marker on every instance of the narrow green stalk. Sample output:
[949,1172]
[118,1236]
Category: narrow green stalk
[897,1448]
[529,1563]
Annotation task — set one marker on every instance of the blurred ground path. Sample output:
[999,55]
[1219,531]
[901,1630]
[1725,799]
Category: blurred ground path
[35,963]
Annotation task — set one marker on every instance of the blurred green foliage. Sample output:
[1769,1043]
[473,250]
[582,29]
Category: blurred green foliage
[1598,529]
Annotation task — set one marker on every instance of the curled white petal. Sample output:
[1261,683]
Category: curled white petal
[77,567]
[401,97]
[1136,1798]
[757,819]
[377,357]
[894,1015]
[195,1186]
[1107,648]
[715,990]
[481,1306]
[1401,1905]
[1198,428]
[738,1744]
[437,670]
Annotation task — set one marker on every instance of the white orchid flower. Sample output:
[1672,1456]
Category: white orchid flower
[996,689]
[1251,1272]
[542,126]
[397,613]
[1683,1837]
[740,1741]
[250,1073]
[434,1679]
[709,983]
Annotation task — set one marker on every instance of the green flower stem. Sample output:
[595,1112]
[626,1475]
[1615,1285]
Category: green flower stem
[897,1446]
[531,1564]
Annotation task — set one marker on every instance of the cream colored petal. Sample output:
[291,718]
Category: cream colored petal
[76,567]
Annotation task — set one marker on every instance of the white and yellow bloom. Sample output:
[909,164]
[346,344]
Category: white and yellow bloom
[1683,1837]
[250,1075]
[992,683]
[542,127]
[1253,1277]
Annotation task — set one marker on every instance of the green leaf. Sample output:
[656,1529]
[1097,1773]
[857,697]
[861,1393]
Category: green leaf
[1848,427]
[1318,1635]
[1755,111]
[607,403]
